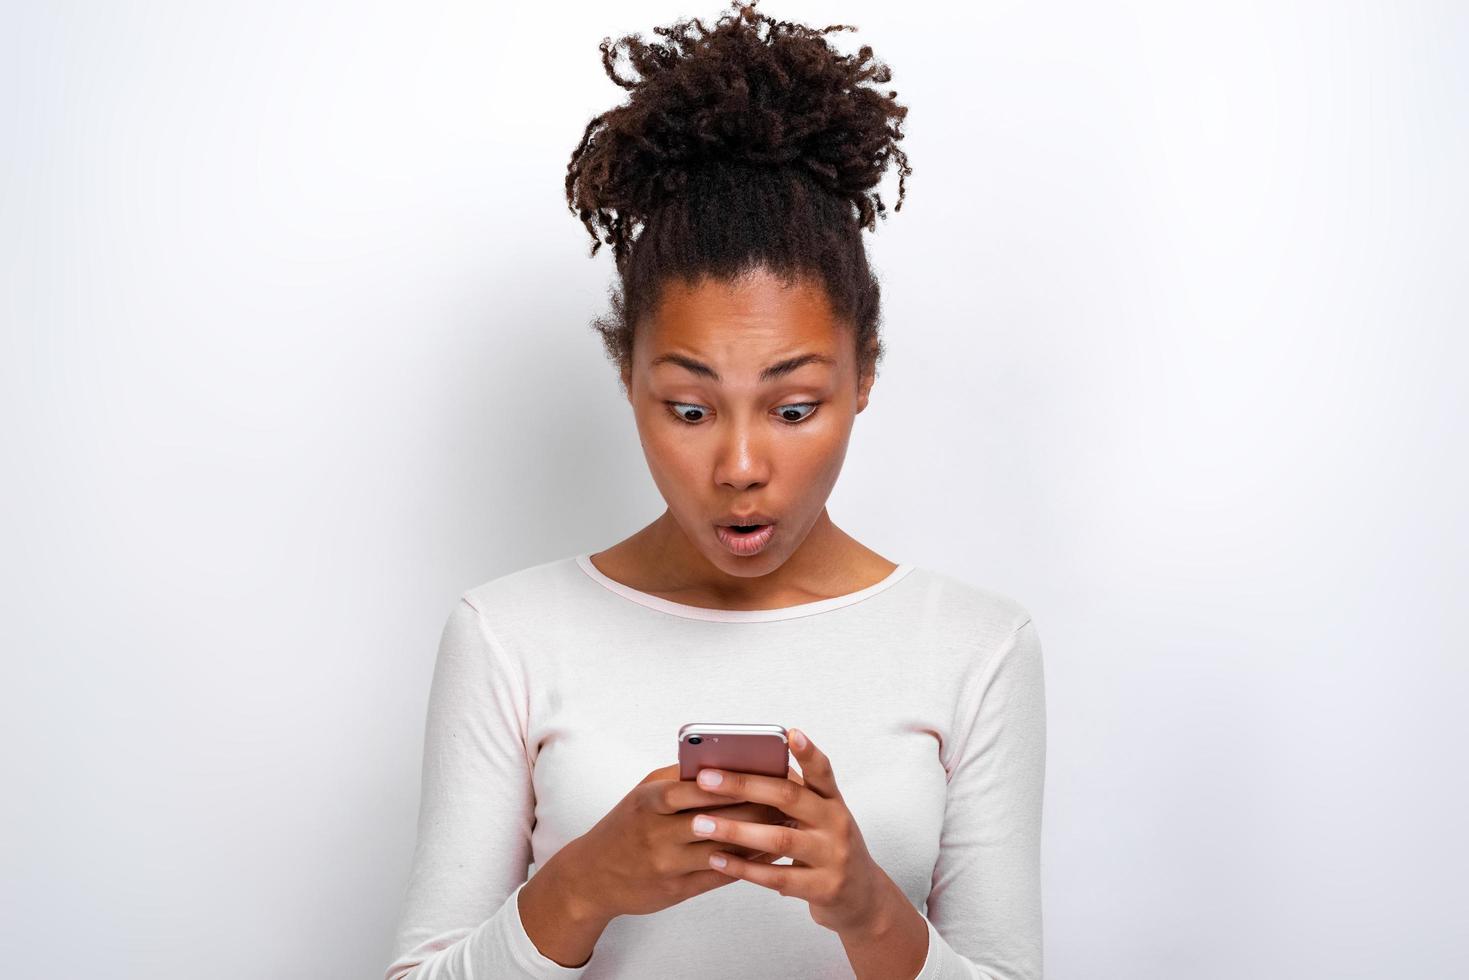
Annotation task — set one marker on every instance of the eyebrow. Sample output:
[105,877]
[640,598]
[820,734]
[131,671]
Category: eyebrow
[777,370]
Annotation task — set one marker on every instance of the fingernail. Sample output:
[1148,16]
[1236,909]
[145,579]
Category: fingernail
[703,824]
[798,739]
[711,778]
[717,860]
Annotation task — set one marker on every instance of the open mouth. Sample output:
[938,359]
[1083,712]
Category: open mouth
[745,539]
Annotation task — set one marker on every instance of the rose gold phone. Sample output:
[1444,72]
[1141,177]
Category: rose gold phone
[759,749]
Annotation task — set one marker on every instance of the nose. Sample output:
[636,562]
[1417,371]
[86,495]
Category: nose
[743,459]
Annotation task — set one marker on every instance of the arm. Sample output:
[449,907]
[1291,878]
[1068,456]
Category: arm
[984,906]
[463,916]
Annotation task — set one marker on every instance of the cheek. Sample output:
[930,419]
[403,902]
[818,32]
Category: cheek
[821,458]
[674,466]
[808,467]
[665,451]
[818,475]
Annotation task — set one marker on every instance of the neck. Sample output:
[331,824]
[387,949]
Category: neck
[825,564]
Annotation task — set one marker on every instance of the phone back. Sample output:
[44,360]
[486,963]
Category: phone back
[760,749]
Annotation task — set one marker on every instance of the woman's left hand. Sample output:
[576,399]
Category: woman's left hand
[832,869]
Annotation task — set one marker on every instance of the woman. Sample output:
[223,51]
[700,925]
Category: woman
[745,334]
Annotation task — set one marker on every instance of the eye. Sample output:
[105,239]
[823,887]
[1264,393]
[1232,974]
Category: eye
[797,407]
[679,411]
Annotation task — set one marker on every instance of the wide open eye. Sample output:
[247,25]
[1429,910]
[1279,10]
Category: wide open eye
[796,407]
[679,411]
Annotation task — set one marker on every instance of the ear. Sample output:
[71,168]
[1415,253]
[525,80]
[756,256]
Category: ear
[869,375]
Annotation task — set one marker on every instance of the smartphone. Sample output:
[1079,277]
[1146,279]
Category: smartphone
[760,749]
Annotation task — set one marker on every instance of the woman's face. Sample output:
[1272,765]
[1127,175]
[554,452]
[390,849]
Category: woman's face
[744,395]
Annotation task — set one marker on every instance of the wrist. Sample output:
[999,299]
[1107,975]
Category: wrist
[558,915]
[575,892]
[881,918]
[891,940]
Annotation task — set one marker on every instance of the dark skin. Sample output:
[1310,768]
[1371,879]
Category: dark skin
[739,454]
[742,448]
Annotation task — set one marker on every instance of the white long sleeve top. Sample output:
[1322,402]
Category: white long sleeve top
[556,689]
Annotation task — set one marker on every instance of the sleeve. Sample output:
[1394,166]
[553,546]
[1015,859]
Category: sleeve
[459,917]
[984,905]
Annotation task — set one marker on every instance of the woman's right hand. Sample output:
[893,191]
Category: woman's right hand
[644,856]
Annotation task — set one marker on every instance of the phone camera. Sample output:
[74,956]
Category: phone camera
[695,739]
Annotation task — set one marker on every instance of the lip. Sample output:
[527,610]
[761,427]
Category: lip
[745,545]
[753,517]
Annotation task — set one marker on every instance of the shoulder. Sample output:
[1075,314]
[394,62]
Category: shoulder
[981,612]
[528,594]
[992,657]
[504,613]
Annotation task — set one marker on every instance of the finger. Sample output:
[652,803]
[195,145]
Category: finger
[754,812]
[744,852]
[751,812]
[762,838]
[666,772]
[815,766]
[747,853]
[786,879]
[673,795]
[707,879]
[696,854]
[791,798]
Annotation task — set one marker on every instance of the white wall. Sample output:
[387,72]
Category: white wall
[296,348]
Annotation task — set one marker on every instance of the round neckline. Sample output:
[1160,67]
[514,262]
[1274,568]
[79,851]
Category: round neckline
[584,562]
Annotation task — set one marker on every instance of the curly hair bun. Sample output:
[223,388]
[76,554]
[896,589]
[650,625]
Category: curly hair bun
[749,92]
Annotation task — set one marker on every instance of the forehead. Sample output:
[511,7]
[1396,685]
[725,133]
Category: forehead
[755,313]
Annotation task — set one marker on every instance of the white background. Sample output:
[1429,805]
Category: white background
[296,348]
